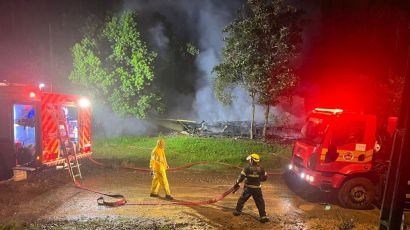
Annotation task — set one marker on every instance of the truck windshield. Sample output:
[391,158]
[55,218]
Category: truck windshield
[314,130]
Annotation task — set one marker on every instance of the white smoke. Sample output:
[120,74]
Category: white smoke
[289,113]
[212,20]
[205,21]
[158,37]
[107,124]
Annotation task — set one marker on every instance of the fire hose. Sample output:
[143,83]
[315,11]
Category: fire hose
[121,200]
[189,165]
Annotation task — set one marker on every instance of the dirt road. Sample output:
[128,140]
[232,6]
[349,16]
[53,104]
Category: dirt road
[48,200]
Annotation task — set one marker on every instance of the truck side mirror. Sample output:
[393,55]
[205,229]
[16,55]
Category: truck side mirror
[331,154]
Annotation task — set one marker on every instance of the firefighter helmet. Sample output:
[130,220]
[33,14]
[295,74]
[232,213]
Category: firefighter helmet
[254,157]
[160,143]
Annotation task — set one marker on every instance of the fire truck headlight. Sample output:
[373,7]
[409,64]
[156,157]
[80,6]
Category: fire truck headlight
[311,179]
[32,94]
[302,175]
[290,166]
[84,102]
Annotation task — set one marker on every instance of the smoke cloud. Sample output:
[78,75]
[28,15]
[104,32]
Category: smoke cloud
[36,40]
[107,124]
[211,22]
[158,36]
[202,24]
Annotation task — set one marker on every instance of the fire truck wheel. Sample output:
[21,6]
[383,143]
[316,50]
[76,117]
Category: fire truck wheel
[357,193]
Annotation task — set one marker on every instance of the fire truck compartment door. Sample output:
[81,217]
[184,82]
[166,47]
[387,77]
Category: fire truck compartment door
[25,132]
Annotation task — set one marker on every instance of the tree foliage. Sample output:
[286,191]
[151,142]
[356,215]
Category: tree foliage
[259,48]
[115,65]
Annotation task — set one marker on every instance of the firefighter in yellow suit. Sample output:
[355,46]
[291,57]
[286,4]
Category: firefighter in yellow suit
[158,166]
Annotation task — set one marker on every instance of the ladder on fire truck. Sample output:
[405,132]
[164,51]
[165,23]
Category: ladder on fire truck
[68,148]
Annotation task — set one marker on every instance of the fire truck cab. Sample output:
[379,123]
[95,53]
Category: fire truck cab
[29,131]
[342,151]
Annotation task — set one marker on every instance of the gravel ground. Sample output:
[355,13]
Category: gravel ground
[48,200]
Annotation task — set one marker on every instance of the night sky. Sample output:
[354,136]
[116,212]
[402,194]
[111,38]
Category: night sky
[353,49]
[350,48]
[36,36]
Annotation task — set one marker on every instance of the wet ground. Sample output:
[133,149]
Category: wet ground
[47,200]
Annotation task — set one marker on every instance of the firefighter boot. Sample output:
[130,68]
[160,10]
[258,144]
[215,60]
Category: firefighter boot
[169,197]
[153,195]
[237,213]
[264,219]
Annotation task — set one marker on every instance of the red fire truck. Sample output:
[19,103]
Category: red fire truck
[29,131]
[344,152]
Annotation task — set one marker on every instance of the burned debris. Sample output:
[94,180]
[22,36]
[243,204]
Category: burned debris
[227,128]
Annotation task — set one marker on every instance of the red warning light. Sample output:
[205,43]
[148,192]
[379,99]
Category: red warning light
[32,94]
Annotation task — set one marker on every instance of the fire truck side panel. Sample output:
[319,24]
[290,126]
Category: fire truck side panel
[28,126]
[359,149]
[357,155]
[50,143]
[85,129]
[7,153]
[19,118]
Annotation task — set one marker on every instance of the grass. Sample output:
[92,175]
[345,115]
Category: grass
[186,149]
[11,225]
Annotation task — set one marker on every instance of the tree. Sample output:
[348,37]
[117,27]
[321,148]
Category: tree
[115,65]
[279,37]
[259,47]
[239,66]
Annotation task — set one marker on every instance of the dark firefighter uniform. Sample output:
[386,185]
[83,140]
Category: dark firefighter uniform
[252,176]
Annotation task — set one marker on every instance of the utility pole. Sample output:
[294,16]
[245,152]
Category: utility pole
[399,173]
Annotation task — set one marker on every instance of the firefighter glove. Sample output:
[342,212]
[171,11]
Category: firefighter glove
[236,186]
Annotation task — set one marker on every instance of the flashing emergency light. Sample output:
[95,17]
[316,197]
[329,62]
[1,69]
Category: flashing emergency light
[32,94]
[84,102]
[334,111]
[41,86]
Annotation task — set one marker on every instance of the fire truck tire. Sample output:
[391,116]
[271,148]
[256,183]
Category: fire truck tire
[357,193]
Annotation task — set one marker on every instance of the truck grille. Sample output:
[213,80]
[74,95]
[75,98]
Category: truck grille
[326,185]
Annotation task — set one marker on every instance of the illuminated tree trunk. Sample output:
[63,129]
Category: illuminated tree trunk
[253,115]
[265,125]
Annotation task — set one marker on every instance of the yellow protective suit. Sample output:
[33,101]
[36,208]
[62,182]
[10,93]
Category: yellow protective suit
[159,165]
